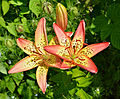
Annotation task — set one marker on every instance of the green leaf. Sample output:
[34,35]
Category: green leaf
[4,96]
[16,2]
[32,75]
[35,6]
[11,29]
[114,12]
[20,88]
[5,6]
[10,85]
[28,93]
[2,85]
[115,36]
[115,39]
[105,32]
[83,95]
[25,25]
[2,22]
[100,22]
[72,91]
[83,81]
[3,68]
[50,37]
[17,77]
[24,10]
[77,73]
[30,82]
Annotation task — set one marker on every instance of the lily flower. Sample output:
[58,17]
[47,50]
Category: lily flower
[61,20]
[72,52]
[38,57]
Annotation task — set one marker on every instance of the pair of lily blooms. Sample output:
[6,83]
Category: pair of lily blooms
[46,55]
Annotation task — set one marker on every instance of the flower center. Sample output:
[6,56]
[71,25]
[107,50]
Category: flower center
[73,56]
[45,57]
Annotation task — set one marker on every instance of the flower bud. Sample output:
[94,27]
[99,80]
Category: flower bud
[19,28]
[9,42]
[61,16]
[47,7]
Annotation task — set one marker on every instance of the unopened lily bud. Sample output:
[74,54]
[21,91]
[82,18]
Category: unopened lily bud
[61,16]
[19,28]
[47,7]
[9,42]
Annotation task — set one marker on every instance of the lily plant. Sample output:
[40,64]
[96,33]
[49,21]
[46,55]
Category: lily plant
[73,51]
[38,57]
[61,20]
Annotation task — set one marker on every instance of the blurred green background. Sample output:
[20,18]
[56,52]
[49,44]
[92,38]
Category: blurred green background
[19,18]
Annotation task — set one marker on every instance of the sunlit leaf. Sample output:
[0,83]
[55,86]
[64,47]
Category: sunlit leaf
[77,73]
[3,68]
[83,81]
[25,25]
[2,22]
[17,77]
[83,95]
[11,29]
[5,6]
[16,2]
[4,96]
[34,6]
[11,85]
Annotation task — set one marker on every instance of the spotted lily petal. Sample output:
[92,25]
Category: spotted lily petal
[27,46]
[78,40]
[86,63]
[25,64]
[59,51]
[41,36]
[67,64]
[54,40]
[63,39]
[53,61]
[41,76]
[69,34]
[93,49]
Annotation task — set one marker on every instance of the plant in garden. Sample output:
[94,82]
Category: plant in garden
[37,56]
[73,52]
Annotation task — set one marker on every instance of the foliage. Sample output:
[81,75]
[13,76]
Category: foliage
[19,18]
